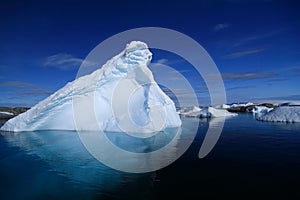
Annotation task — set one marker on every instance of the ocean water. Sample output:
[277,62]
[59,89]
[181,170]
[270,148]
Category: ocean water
[250,159]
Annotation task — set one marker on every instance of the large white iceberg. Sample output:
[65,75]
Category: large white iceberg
[124,80]
[282,114]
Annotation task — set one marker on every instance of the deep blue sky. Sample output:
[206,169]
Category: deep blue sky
[255,44]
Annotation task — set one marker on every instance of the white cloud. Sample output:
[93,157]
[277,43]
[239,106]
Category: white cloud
[252,38]
[247,76]
[241,87]
[63,61]
[242,53]
[20,90]
[16,84]
[162,61]
[219,27]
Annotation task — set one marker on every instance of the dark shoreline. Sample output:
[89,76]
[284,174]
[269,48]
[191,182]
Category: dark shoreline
[15,111]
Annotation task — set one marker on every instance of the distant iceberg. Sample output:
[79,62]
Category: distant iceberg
[219,112]
[241,104]
[260,110]
[282,114]
[149,108]
[205,112]
[6,113]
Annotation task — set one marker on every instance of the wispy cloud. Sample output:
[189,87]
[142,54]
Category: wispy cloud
[247,76]
[241,87]
[220,27]
[182,71]
[185,92]
[34,92]
[176,78]
[277,80]
[278,99]
[63,61]
[16,84]
[162,61]
[180,91]
[295,69]
[254,37]
[2,67]
[242,53]
[20,88]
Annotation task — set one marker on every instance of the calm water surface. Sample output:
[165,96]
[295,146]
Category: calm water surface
[250,159]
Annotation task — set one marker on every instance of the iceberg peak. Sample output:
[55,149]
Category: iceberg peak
[135,55]
[138,53]
[136,45]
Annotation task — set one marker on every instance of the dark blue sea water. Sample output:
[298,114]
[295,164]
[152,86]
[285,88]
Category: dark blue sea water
[250,159]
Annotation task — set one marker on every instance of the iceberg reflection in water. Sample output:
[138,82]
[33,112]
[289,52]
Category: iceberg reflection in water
[138,155]
[251,155]
[58,165]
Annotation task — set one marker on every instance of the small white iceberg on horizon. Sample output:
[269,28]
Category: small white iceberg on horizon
[6,113]
[208,112]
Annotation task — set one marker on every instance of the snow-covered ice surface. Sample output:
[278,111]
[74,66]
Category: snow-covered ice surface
[191,112]
[260,110]
[283,114]
[240,104]
[224,106]
[219,112]
[6,113]
[280,102]
[289,103]
[233,105]
[206,112]
[148,106]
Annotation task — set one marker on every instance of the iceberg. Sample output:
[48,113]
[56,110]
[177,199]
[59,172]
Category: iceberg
[220,112]
[206,112]
[241,104]
[236,107]
[288,114]
[225,106]
[289,103]
[194,111]
[124,80]
[6,113]
[260,110]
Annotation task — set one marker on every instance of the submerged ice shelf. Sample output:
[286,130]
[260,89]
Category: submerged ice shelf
[122,90]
